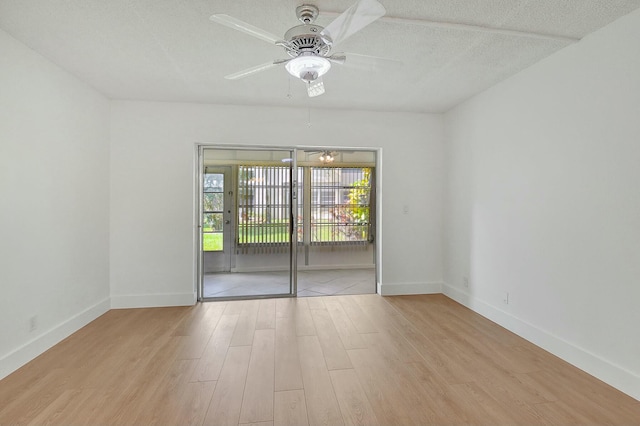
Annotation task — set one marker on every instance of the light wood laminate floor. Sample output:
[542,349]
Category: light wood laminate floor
[326,360]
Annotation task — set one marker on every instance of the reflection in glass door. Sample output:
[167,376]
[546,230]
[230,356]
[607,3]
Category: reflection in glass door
[247,226]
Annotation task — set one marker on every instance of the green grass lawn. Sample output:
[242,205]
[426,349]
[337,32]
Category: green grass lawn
[274,234]
[212,242]
[279,234]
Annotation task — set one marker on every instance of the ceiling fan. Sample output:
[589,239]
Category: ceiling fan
[308,45]
[325,156]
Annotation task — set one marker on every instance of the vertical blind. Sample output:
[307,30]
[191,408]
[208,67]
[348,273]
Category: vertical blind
[340,207]
[263,208]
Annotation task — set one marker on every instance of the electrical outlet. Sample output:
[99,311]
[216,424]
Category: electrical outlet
[465,281]
[33,323]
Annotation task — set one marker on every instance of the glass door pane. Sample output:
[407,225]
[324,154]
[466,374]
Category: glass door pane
[337,249]
[247,223]
[216,218]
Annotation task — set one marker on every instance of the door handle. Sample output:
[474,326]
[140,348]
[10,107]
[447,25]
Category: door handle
[226,222]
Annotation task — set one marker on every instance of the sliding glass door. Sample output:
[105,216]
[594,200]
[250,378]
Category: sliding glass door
[337,247]
[286,222]
[248,228]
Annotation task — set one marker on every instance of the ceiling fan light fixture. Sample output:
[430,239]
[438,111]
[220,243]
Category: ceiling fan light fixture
[308,67]
[326,157]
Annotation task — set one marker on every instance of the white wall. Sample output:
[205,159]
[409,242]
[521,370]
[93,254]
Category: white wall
[54,155]
[543,202]
[152,187]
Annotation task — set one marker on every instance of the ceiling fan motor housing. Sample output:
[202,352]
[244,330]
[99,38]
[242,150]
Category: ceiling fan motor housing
[306,39]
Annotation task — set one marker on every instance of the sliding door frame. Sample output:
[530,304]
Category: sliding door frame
[293,269]
[293,202]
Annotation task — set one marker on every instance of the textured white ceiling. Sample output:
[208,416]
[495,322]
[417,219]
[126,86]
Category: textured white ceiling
[169,50]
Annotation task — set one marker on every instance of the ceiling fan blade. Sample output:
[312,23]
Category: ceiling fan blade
[239,25]
[365,62]
[315,87]
[353,20]
[338,58]
[254,70]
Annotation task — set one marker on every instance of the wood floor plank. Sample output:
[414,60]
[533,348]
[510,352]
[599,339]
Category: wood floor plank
[196,328]
[507,387]
[133,396]
[385,391]
[394,344]
[303,320]
[290,408]
[453,363]
[162,398]
[234,307]
[559,413]
[359,319]
[580,397]
[210,363]
[334,353]
[187,407]
[67,408]
[226,402]
[478,406]
[191,347]
[570,379]
[257,402]
[320,398]
[316,302]
[246,326]
[354,404]
[435,390]
[288,375]
[266,314]
[286,307]
[201,319]
[471,338]
[21,407]
[417,344]
[53,411]
[367,299]
[349,335]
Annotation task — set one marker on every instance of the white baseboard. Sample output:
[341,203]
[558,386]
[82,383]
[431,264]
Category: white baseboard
[153,300]
[39,344]
[616,376]
[405,289]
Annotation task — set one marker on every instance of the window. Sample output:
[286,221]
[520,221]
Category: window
[263,205]
[213,210]
[340,206]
